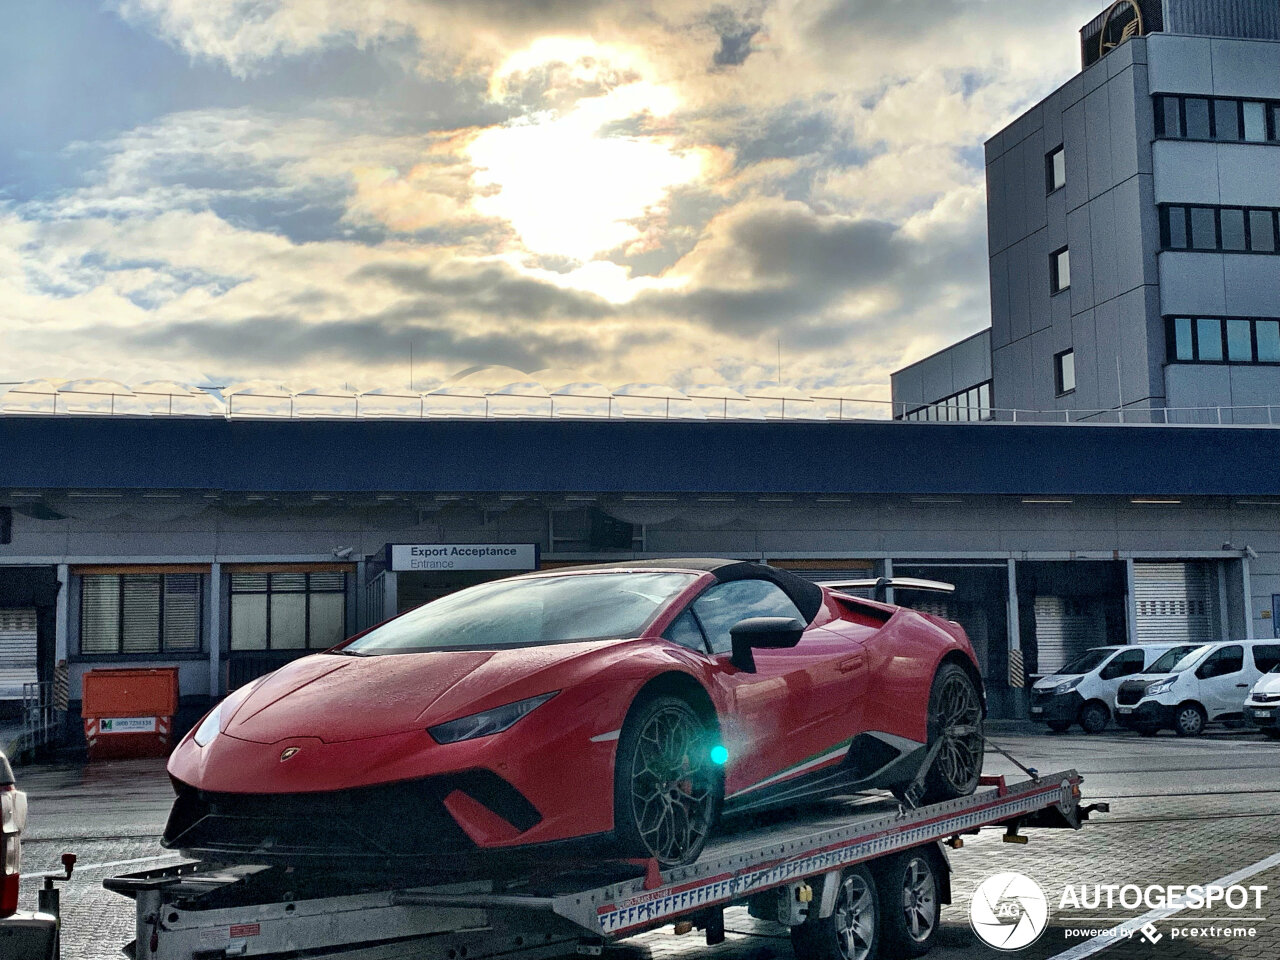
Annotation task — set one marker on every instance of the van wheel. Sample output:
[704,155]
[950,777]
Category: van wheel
[1190,720]
[1094,716]
[911,894]
[852,932]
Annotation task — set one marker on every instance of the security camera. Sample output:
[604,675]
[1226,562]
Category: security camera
[343,553]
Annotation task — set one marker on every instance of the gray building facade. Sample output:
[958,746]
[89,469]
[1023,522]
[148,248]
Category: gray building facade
[1132,225]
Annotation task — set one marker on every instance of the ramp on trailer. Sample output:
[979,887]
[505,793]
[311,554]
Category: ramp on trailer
[205,911]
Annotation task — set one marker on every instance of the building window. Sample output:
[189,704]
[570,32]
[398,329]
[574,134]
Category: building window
[968,406]
[288,611]
[1064,372]
[1223,119]
[1219,229]
[1055,170]
[1060,270]
[1238,340]
[140,613]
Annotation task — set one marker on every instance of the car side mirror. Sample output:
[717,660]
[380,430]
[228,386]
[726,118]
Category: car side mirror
[763,633]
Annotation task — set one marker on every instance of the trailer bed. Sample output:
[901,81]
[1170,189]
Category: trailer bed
[207,912]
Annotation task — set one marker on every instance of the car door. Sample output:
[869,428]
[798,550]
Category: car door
[1223,681]
[796,713]
[1118,669]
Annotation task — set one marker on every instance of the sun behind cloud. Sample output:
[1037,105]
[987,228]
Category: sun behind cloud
[575,183]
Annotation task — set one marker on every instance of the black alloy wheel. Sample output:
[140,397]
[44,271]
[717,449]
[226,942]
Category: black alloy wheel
[667,790]
[955,718]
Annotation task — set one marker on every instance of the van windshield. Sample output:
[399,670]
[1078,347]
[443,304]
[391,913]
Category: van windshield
[1178,659]
[1087,662]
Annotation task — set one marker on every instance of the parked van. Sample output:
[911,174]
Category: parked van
[1084,691]
[1194,684]
[1263,705]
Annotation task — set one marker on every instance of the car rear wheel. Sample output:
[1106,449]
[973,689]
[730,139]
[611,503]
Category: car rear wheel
[955,718]
[1094,716]
[851,932]
[1189,720]
[667,790]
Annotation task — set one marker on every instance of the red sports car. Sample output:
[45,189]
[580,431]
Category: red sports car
[621,707]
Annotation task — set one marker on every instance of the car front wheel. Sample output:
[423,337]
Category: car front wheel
[667,789]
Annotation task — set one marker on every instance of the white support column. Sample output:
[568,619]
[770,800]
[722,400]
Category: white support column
[62,616]
[215,631]
[1130,602]
[390,602]
[888,572]
[359,602]
[1247,584]
[1224,612]
[1017,669]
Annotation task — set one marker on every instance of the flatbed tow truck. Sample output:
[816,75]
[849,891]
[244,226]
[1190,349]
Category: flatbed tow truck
[786,870]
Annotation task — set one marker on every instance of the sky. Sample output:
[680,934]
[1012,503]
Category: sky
[613,191]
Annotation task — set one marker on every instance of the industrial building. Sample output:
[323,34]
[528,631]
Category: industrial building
[1134,255]
[229,546]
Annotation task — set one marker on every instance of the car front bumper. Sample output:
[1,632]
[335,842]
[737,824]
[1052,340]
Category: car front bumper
[1149,714]
[1265,715]
[1047,707]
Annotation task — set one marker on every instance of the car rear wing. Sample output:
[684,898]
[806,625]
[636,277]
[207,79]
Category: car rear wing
[882,585]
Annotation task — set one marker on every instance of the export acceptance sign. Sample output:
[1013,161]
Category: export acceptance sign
[462,556]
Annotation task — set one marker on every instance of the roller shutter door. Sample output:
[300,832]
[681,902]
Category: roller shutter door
[17,651]
[1065,628]
[1176,602]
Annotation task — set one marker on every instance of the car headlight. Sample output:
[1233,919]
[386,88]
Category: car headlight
[487,723]
[210,727]
[1067,687]
[1160,686]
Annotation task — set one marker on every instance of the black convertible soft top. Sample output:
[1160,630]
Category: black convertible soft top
[805,594]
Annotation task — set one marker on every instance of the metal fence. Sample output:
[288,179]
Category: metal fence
[445,405]
[41,719]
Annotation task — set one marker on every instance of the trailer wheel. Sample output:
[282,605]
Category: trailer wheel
[852,932]
[911,891]
[1094,716]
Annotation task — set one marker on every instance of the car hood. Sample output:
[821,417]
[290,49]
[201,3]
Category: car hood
[1048,683]
[1269,683]
[337,698]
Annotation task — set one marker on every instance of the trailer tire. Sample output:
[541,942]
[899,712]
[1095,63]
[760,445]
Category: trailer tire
[910,886]
[852,932]
[1094,716]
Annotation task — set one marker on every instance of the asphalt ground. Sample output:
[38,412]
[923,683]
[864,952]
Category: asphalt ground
[1182,812]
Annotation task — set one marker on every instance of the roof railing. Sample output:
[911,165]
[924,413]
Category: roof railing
[808,407]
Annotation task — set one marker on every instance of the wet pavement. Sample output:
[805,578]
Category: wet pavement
[1182,812]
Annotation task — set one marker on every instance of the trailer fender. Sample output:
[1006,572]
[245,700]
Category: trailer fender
[830,887]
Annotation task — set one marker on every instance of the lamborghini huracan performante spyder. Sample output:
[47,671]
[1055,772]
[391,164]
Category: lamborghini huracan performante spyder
[620,708]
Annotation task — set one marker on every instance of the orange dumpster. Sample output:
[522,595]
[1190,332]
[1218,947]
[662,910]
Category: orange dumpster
[129,713]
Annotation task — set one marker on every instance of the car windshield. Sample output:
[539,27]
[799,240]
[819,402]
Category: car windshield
[530,612]
[1177,659]
[1087,662]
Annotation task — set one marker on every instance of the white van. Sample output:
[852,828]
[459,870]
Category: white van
[1263,705]
[1194,684]
[1084,691]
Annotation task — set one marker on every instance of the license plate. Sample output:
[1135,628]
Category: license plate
[1124,710]
[1036,711]
[1263,714]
